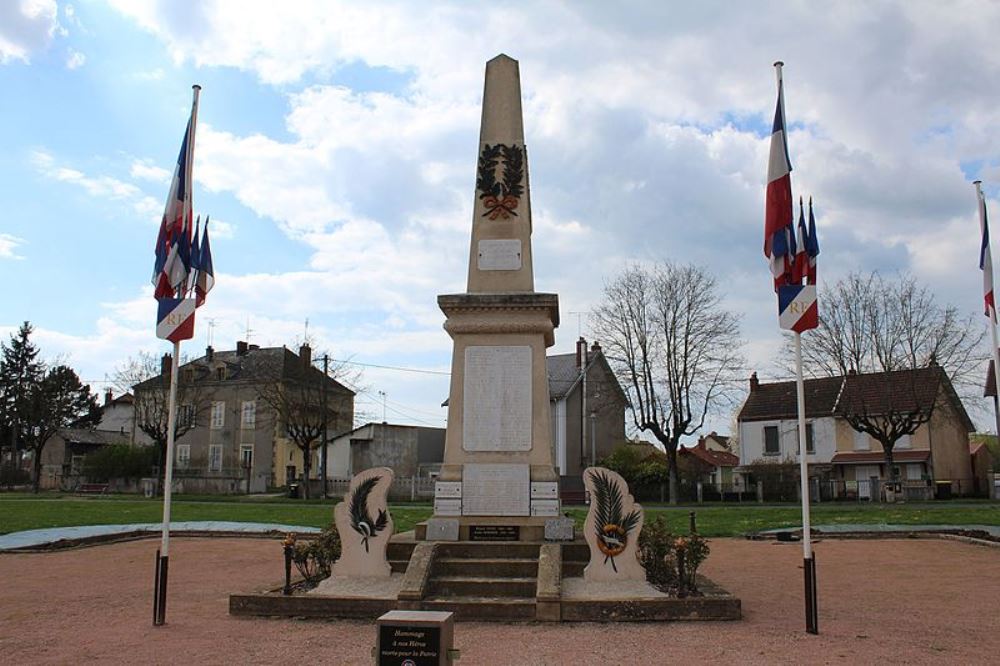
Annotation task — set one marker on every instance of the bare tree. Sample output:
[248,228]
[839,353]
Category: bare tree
[900,350]
[142,376]
[674,347]
[307,404]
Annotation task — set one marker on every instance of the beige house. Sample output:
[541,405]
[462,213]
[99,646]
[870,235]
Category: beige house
[933,461]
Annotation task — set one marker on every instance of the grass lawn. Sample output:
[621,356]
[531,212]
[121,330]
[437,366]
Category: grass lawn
[25,512]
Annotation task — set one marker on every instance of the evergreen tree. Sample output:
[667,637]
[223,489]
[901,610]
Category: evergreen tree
[20,373]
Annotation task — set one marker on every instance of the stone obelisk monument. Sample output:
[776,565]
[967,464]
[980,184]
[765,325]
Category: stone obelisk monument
[499,476]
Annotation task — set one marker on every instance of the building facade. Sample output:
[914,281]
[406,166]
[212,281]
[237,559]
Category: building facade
[235,439]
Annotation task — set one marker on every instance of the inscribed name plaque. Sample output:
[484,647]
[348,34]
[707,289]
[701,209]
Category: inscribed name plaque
[494,532]
[497,397]
[500,255]
[496,490]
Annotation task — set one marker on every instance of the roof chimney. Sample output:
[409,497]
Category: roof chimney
[107,397]
[754,382]
[241,348]
[305,353]
[581,353]
[209,353]
[595,349]
[165,362]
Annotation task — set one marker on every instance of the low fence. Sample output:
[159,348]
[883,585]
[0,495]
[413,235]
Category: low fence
[403,488]
[872,490]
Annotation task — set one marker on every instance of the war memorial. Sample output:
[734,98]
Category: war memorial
[497,546]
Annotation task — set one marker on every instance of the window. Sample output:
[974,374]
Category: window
[771,444]
[76,465]
[904,442]
[215,458]
[246,456]
[249,414]
[861,441]
[220,373]
[183,455]
[186,416]
[810,443]
[218,415]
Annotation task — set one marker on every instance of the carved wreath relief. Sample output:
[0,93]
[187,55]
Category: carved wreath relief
[500,197]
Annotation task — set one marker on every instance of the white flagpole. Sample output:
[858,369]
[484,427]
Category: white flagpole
[800,395]
[981,204]
[162,563]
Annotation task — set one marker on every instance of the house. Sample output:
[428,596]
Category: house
[411,451]
[712,457]
[234,440]
[587,409]
[845,461]
[63,455]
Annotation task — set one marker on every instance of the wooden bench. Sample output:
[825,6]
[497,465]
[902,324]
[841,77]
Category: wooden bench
[92,489]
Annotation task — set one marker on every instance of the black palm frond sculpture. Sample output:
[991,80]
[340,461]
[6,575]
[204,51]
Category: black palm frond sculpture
[611,526]
[361,520]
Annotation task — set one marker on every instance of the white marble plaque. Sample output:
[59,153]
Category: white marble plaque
[545,507]
[544,490]
[448,489]
[497,399]
[499,255]
[447,507]
[495,490]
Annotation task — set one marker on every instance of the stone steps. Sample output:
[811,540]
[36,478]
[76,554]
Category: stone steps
[483,586]
[487,549]
[496,566]
[483,608]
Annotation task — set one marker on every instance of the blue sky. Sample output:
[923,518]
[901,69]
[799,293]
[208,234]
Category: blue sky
[336,154]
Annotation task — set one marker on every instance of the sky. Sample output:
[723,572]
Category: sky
[337,144]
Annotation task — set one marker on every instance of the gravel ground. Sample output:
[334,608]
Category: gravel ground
[887,601]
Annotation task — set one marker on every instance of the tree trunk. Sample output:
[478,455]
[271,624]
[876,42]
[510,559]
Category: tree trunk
[672,474]
[306,468]
[889,473]
[36,469]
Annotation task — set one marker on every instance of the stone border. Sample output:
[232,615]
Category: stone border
[138,535]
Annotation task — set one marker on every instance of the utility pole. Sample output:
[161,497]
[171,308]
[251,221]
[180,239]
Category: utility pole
[383,394]
[326,418]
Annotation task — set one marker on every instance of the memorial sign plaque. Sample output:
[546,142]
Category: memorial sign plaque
[496,490]
[494,533]
[448,489]
[500,255]
[414,638]
[497,399]
[447,507]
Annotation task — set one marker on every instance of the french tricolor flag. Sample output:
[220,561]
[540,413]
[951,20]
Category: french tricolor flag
[779,231]
[986,258]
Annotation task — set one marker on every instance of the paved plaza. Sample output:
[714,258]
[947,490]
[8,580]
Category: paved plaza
[881,600]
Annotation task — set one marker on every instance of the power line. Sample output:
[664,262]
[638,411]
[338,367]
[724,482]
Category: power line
[392,367]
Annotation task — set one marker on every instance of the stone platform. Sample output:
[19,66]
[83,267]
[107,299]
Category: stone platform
[521,581]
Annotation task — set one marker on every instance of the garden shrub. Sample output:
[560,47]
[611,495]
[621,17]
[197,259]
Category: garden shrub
[671,562]
[314,558]
[120,461]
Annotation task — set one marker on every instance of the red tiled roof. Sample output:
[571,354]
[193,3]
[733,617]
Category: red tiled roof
[713,458]
[865,457]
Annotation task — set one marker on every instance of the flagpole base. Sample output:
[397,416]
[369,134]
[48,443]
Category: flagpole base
[160,591]
[812,602]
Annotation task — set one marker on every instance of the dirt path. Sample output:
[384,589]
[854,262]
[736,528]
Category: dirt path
[887,601]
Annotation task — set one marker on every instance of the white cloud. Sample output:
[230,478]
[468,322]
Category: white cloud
[8,245]
[75,60]
[26,27]
[103,187]
[146,170]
